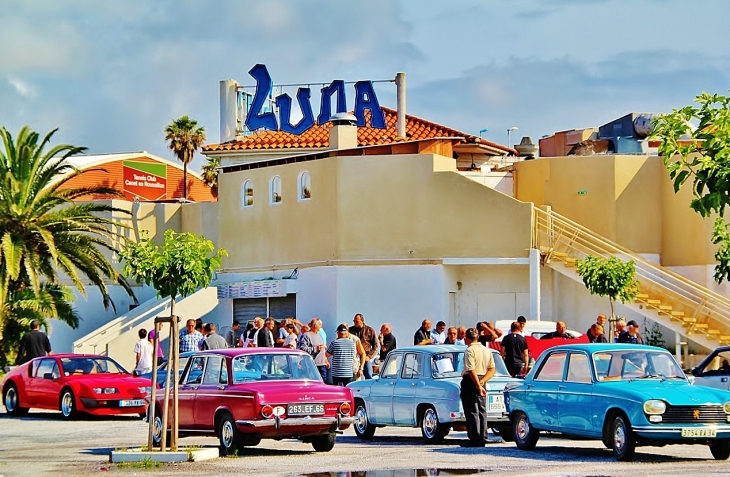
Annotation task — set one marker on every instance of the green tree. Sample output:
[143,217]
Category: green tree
[184,137]
[701,153]
[609,277]
[210,173]
[182,265]
[45,234]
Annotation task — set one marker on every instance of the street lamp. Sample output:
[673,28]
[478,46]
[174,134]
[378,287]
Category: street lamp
[509,131]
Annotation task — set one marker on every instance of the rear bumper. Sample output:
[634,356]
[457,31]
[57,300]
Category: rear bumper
[277,423]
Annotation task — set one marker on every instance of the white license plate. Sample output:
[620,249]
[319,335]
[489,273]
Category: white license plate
[699,433]
[131,402]
[304,409]
[496,402]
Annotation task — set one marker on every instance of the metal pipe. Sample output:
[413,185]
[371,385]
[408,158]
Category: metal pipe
[400,83]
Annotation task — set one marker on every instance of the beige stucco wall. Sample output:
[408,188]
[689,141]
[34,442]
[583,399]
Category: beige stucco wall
[200,218]
[391,207]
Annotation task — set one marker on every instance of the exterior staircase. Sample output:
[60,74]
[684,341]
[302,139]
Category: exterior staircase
[665,297]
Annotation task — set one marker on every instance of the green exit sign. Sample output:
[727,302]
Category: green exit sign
[582,192]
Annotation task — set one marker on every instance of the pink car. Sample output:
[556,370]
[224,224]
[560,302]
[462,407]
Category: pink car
[244,395]
[74,383]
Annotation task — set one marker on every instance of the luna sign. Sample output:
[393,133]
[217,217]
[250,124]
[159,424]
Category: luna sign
[256,118]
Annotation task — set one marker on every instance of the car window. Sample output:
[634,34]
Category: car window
[718,365]
[266,367]
[213,370]
[447,365]
[195,371]
[90,365]
[552,368]
[500,367]
[636,364]
[412,367]
[579,370]
[48,366]
[392,366]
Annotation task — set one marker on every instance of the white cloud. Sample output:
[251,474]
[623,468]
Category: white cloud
[24,89]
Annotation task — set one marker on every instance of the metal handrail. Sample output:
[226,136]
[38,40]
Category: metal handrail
[562,234]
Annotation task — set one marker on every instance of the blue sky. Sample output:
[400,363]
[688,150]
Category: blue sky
[112,74]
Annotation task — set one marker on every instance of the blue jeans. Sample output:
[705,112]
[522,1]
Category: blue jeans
[323,372]
[368,369]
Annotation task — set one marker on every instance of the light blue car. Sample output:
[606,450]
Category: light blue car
[419,386]
[625,395]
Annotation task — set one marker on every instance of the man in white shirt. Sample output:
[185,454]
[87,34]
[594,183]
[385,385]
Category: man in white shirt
[438,335]
[143,350]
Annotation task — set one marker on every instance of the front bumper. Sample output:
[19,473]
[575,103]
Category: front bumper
[341,422]
[674,432]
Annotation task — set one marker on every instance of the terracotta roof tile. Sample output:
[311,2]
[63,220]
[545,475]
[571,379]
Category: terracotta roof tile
[318,136]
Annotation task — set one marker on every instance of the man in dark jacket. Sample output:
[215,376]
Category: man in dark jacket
[387,341]
[514,351]
[369,342]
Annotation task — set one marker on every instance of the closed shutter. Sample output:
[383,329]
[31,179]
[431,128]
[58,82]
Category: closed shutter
[283,306]
[246,309]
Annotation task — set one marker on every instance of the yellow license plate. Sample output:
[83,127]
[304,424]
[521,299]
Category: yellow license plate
[699,433]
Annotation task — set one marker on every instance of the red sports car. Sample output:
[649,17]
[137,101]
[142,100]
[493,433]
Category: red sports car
[247,394]
[74,383]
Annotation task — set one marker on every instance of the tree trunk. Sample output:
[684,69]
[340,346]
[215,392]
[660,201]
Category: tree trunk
[612,323]
[185,185]
[153,390]
[176,366]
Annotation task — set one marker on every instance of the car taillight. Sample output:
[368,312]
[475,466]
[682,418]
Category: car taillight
[267,411]
[345,408]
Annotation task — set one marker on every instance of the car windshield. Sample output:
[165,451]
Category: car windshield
[636,364]
[266,367]
[90,365]
[451,365]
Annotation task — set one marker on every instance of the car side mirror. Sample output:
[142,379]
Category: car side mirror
[696,372]
[48,376]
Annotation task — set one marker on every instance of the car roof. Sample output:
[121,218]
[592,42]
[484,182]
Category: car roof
[594,347]
[244,351]
[431,349]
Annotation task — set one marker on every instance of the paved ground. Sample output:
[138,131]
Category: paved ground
[42,444]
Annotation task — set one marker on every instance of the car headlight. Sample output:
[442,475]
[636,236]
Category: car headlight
[145,390]
[655,406]
[726,406]
[105,390]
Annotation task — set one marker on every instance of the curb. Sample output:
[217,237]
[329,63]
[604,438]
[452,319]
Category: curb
[137,455]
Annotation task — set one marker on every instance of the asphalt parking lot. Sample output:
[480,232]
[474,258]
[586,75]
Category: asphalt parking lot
[43,444]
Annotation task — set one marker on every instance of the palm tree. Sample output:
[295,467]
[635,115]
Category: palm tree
[185,137]
[44,233]
[210,173]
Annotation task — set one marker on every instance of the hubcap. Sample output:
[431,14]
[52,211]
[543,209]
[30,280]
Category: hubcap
[11,400]
[67,404]
[523,428]
[227,434]
[430,421]
[361,419]
[619,436]
[157,429]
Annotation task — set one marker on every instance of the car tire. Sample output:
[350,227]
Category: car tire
[157,430]
[67,404]
[363,428]
[720,449]
[432,430]
[324,443]
[624,439]
[524,434]
[228,435]
[11,399]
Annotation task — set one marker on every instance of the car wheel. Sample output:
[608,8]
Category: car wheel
[433,431]
[157,430]
[11,399]
[624,440]
[363,428]
[324,443]
[228,435]
[524,434]
[68,404]
[720,449]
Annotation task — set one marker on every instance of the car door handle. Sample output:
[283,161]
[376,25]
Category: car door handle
[392,383]
[414,384]
[222,387]
[724,380]
[561,387]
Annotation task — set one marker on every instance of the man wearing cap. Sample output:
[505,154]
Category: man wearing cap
[342,352]
[478,369]
[631,335]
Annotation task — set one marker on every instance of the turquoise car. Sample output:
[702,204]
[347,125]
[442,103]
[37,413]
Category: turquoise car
[419,386]
[625,395]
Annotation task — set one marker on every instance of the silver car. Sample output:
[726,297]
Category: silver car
[714,371]
[419,386]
